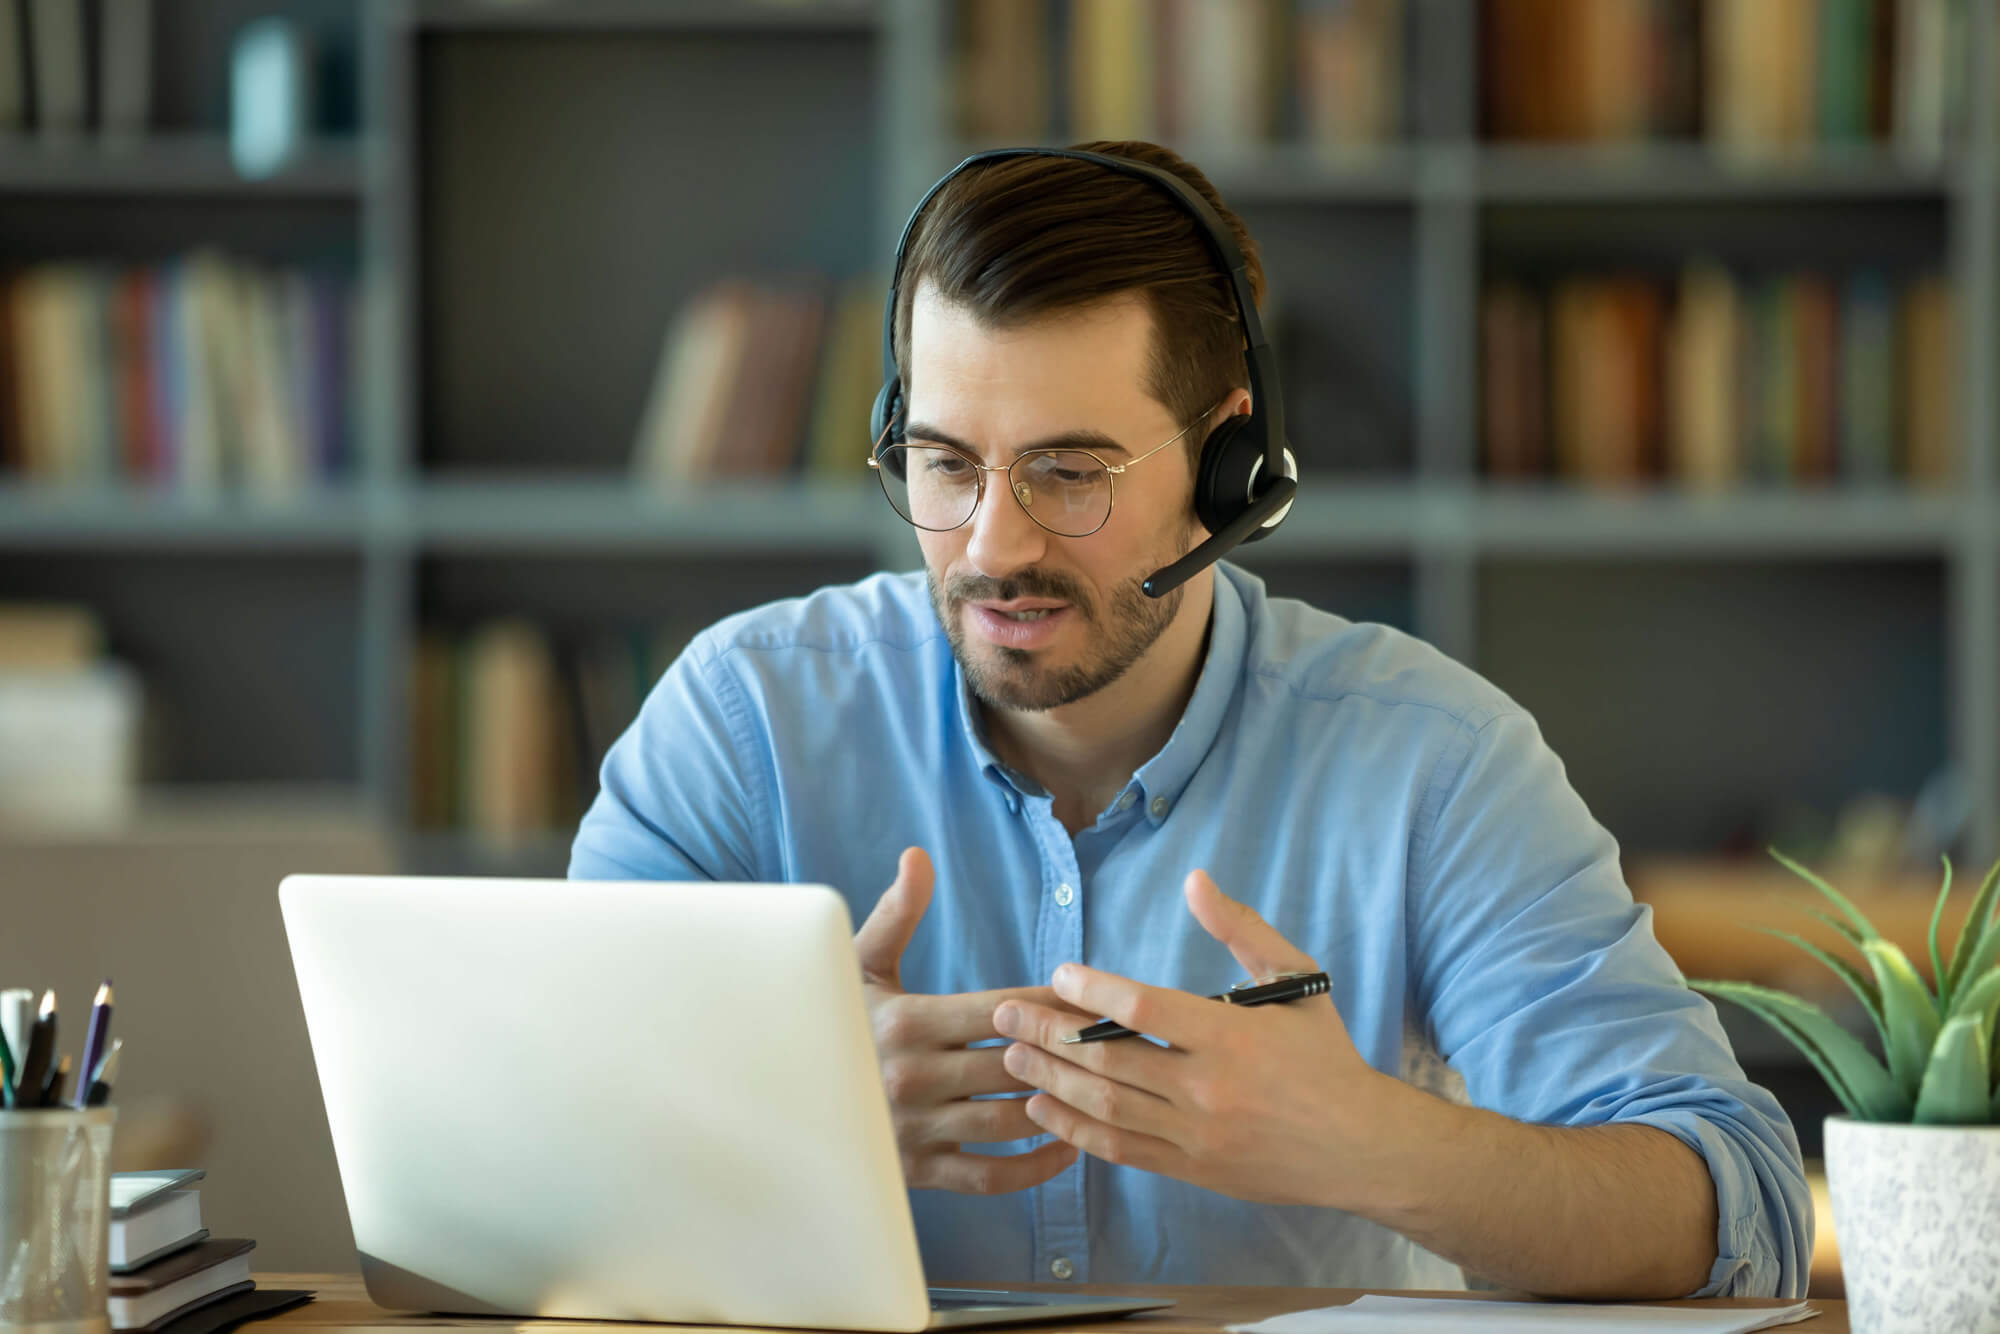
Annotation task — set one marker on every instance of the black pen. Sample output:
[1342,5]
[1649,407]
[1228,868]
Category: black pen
[53,1086]
[1267,991]
[37,1061]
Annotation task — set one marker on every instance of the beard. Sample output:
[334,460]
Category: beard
[1115,636]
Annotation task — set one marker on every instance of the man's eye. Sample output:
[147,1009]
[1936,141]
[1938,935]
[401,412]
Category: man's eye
[945,465]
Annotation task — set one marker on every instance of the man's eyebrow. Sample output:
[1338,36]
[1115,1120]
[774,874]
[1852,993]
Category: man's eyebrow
[1097,442]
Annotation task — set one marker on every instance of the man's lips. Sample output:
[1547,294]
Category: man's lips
[1022,604]
[996,626]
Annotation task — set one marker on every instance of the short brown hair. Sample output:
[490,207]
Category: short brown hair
[1023,238]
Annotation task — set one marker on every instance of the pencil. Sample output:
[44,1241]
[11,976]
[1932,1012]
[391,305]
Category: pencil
[94,1035]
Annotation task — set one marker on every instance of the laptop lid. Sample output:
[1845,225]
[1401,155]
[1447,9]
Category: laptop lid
[604,1100]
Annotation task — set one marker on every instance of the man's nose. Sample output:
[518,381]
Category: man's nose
[1004,539]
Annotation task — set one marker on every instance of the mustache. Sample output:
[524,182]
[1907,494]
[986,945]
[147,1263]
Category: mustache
[1026,584]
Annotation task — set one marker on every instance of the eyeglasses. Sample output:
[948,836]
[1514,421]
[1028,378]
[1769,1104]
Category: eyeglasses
[1067,491]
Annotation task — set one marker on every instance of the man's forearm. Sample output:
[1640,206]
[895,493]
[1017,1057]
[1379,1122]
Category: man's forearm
[1583,1211]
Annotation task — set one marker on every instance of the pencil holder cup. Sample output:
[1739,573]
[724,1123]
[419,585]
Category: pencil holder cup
[55,1220]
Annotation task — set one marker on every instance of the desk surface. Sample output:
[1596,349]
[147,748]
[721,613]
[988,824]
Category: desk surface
[342,1305]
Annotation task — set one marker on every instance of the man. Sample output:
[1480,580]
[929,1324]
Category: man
[1109,805]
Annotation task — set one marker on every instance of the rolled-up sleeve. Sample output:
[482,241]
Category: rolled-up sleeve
[1540,980]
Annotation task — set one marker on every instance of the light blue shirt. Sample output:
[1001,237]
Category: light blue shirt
[1394,815]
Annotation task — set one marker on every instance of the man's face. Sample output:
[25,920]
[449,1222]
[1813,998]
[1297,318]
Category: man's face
[1037,620]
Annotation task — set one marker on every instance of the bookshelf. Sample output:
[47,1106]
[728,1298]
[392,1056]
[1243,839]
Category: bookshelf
[673,137]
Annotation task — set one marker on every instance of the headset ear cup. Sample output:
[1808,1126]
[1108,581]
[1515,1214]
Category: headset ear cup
[888,402]
[1222,475]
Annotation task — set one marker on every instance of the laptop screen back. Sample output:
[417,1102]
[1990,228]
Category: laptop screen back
[606,1100]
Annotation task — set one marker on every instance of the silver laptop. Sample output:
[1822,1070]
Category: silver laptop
[616,1101]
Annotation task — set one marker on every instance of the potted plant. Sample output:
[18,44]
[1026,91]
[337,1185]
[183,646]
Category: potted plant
[1914,1166]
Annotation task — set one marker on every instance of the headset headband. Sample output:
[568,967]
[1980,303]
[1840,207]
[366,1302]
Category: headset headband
[1268,408]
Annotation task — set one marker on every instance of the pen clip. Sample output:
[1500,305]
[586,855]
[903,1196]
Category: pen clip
[1267,980]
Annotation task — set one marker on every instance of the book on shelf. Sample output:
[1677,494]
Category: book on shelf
[188,376]
[125,66]
[1756,79]
[68,67]
[1213,75]
[510,721]
[13,71]
[763,380]
[59,64]
[1719,378]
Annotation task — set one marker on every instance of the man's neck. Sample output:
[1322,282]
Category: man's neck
[1084,753]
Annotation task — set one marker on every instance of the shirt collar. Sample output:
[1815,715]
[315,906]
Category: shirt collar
[1160,780]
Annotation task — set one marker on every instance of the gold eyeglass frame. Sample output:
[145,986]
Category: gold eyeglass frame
[979,488]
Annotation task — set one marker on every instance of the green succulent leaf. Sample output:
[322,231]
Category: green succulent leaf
[1870,994]
[1847,933]
[1839,900]
[1909,1016]
[1938,970]
[1955,1079]
[1869,1092]
[1978,945]
[1980,999]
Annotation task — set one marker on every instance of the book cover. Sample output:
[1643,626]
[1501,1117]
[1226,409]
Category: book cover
[1928,365]
[125,66]
[13,70]
[1866,433]
[1704,443]
[55,39]
[1111,69]
[1818,335]
[1224,74]
[1000,54]
[850,374]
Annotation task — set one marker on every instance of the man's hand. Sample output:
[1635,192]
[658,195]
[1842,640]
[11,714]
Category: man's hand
[1267,1103]
[930,1074]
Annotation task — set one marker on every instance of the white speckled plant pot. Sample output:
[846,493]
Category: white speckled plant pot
[1916,1211]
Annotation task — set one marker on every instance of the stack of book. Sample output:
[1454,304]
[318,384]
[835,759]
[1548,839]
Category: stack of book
[168,1275]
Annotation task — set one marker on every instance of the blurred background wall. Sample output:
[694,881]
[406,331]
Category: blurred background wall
[388,391]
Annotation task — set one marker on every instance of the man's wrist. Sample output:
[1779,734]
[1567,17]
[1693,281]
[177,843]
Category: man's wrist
[1394,1148]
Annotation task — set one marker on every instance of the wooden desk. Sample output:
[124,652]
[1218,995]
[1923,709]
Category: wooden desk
[342,1305]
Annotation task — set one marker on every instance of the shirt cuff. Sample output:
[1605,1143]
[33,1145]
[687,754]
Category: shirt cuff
[1764,1218]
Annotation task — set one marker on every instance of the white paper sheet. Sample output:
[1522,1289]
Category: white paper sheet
[1438,1315]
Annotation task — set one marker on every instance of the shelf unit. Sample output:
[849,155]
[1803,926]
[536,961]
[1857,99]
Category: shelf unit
[1418,538]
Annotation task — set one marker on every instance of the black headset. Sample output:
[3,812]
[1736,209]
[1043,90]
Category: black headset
[1243,451]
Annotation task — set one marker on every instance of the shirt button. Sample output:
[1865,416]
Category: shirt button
[1159,808]
[1064,895]
[1061,1267]
[1125,802]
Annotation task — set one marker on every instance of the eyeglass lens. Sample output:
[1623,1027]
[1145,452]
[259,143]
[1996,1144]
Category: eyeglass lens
[1066,492]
